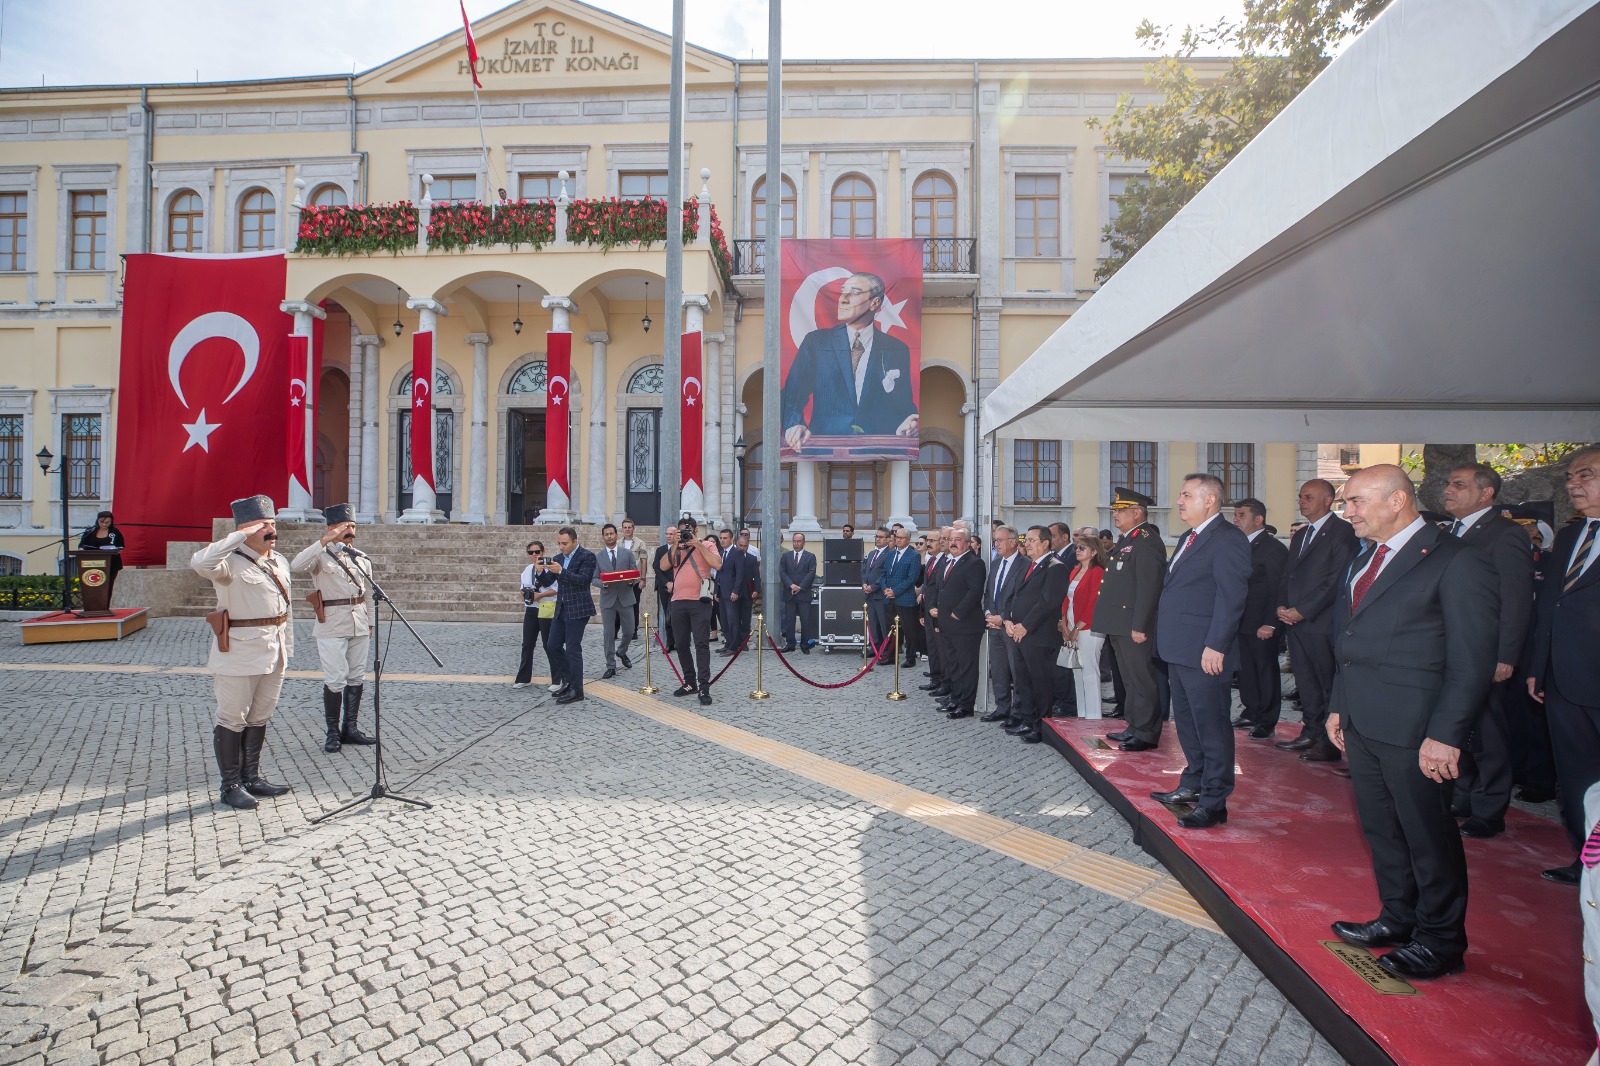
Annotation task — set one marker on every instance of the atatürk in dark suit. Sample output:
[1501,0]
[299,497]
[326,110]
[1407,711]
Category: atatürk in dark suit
[1485,784]
[1564,663]
[1036,606]
[1202,600]
[1414,664]
[1260,682]
[1310,585]
[821,374]
[797,568]
[961,626]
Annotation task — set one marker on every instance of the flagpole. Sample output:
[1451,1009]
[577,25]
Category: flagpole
[771,315]
[672,328]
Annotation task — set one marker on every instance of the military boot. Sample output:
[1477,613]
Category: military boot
[330,713]
[254,739]
[230,758]
[352,711]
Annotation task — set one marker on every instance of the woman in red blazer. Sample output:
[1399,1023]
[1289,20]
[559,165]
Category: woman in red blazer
[1077,618]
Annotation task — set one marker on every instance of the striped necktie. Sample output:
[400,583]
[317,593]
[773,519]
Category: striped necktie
[1575,571]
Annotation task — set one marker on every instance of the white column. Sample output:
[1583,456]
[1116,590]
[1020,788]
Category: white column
[969,464]
[358,382]
[558,509]
[711,465]
[477,512]
[900,494]
[424,503]
[299,507]
[805,491]
[597,426]
[692,497]
[367,509]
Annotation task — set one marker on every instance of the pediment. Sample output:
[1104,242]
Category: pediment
[544,45]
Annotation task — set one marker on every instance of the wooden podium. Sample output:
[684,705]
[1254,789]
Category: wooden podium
[94,581]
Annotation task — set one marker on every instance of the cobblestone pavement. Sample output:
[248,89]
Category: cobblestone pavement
[616,881]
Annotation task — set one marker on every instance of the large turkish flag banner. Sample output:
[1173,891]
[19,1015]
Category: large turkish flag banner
[422,444]
[558,393]
[838,404]
[691,423]
[203,385]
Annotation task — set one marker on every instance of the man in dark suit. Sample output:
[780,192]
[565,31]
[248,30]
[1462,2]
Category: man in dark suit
[1030,623]
[929,598]
[733,591]
[1004,576]
[856,377]
[1484,788]
[1563,667]
[961,621]
[1125,611]
[663,580]
[1318,555]
[1414,618]
[574,569]
[1197,626]
[872,584]
[1260,682]
[797,574]
[901,576]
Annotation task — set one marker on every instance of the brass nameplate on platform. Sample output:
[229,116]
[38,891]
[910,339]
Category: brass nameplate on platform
[1365,965]
[1100,743]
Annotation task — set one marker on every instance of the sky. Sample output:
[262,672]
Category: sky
[97,42]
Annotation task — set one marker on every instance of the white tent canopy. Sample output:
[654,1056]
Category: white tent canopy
[1411,250]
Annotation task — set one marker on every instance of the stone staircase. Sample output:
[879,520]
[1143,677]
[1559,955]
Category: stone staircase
[439,573]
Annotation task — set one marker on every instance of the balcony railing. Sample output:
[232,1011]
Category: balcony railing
[940,255]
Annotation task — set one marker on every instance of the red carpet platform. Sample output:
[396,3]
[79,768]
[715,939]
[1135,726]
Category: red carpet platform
[1291,860]
[59,627]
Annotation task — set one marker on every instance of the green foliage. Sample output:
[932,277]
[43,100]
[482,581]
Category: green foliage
[27,592]
[1199,123]
[1514,458]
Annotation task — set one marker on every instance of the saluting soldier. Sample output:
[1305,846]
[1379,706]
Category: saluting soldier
[254,642]
[343,629]
[1125,611]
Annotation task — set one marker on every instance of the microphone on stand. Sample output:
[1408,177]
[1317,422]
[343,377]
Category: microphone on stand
[354,551]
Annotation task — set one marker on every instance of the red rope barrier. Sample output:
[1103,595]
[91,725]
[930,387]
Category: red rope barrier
[667,655]
[863,672]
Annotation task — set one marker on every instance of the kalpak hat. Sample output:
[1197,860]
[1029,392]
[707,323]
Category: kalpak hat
[339,512]
[252,509]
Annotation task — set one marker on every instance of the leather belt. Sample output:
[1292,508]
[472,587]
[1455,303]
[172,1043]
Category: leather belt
[239,623]
[345,603]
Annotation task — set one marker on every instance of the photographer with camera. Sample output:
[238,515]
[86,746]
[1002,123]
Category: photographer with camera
[538,614]
[691,564]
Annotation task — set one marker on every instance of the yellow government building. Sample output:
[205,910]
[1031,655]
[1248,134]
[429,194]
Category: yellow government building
[991,163]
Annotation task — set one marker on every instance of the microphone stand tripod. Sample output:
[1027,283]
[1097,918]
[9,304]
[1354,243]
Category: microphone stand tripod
[380,787]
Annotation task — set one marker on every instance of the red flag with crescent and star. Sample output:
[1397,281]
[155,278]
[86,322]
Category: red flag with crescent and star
[691,426]
[422,407]
[203,379]
[558,394]
[301,402]
[472,46]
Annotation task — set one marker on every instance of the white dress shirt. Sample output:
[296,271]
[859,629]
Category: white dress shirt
[1394,544]
[865,336]
[1469,521]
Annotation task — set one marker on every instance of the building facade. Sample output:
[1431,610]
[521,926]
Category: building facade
[990,163]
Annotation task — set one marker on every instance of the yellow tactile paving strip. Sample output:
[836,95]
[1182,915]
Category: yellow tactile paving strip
[1116,877]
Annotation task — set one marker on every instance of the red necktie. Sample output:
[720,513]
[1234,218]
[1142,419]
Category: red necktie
[1188,539]
[1029,574]
[1368,576]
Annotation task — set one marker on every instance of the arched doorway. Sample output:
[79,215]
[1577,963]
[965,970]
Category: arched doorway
[642,472]
[527,477]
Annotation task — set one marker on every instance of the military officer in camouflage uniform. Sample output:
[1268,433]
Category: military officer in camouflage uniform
[344,632]
[1125,612]
[252,583]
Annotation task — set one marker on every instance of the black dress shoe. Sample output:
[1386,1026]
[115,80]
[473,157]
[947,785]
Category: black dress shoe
[1458,810]
[1242,722]
[908,665]
[1177,795]
[995,716]
[627,663]
[787,648]
[1019,729]
[574,696]
[1262,732]
[725,650]
[805,649]
[1563,875]
[1374,934]
[1204,818]
[705,696]
[1135,744]
[684,690]
[929,687]
[1033,736]
[611,671]
[1417,963]
[960,712]
[1299,743]
[1481,828]
[1535,795]
[1116,712]
[1120,735]
[562,691]
[1321,753]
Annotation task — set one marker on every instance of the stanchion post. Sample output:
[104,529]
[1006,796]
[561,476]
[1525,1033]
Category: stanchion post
[866,635]
[896,695]
[760,693]
[649,689]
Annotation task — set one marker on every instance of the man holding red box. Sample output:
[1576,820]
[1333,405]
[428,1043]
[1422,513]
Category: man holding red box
[618,570]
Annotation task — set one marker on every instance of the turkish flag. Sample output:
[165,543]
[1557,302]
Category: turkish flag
[472,45]
[691,426]
[848,412]
[202,384]
[422,407]
[302,403]
[558,369]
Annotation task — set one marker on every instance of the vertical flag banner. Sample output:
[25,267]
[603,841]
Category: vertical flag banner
[472,46]
[851,349]
[422,407]
[558,368]
[692,425]
[202,386]
[301,409]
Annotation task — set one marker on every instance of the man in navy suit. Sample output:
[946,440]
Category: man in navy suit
[872,584]
[797,573]
[574,569]
[901,575]
[856,377]
[1563,669]
[961,621]
[1197,632]
[1260,682]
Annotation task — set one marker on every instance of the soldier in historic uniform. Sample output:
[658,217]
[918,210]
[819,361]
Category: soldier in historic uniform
[343,629]
[1125,611]
[255,638]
